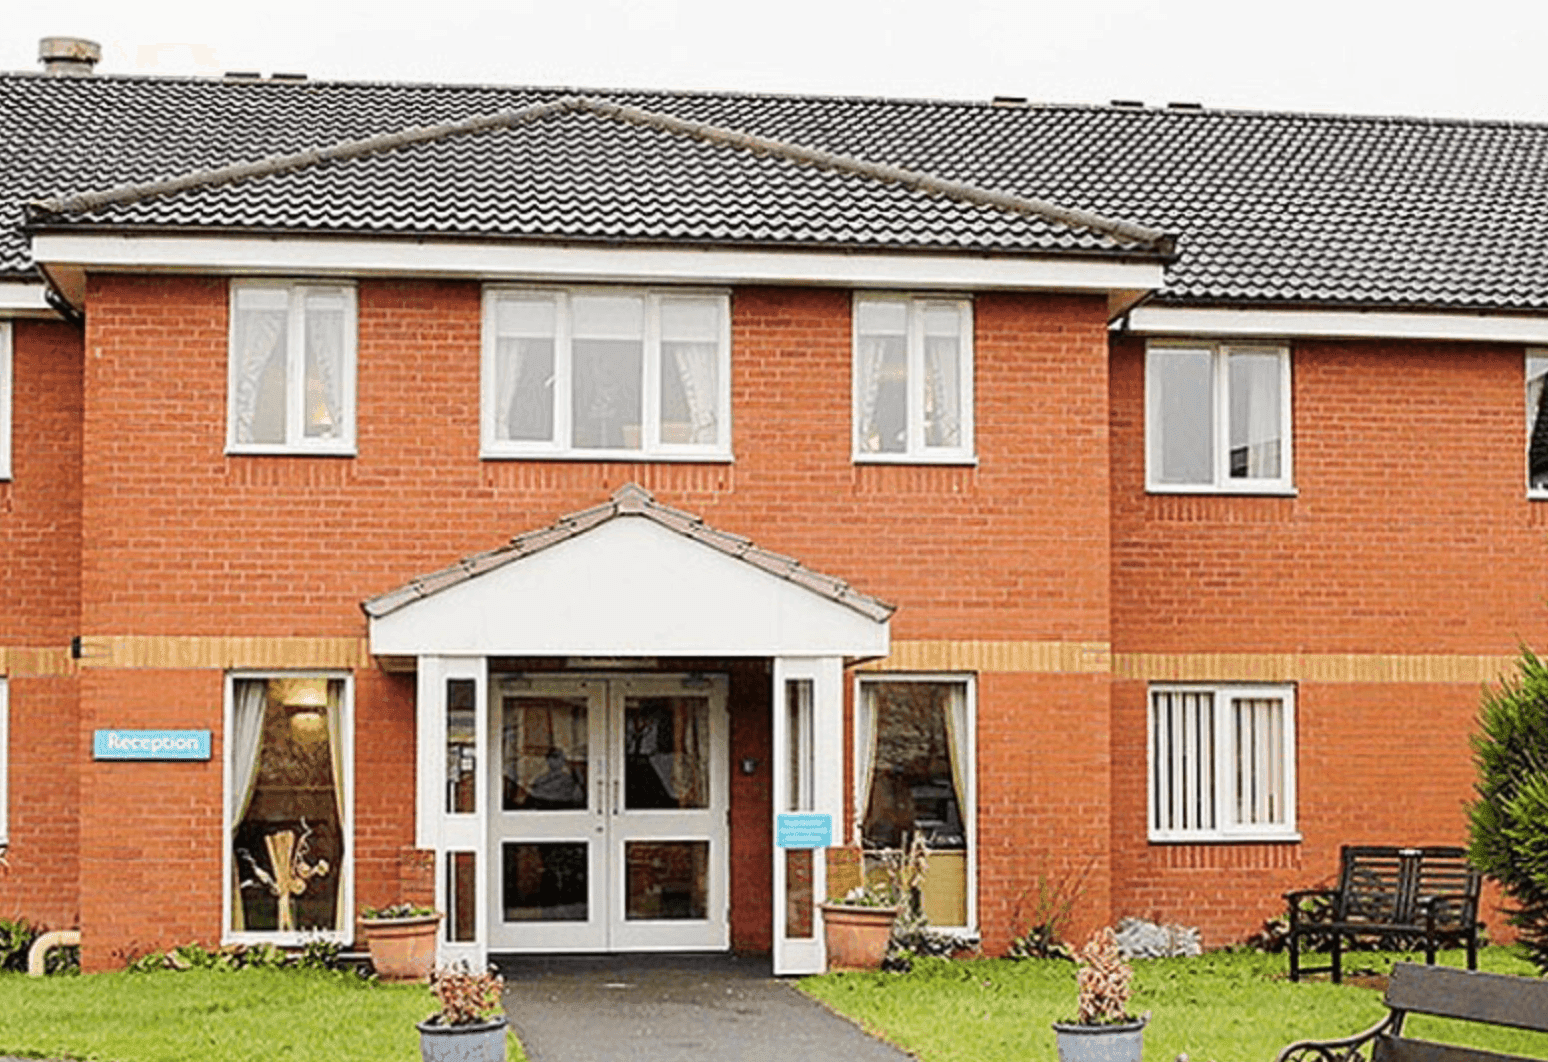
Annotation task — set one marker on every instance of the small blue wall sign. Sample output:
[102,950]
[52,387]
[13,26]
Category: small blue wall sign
[151,745]
[803,830]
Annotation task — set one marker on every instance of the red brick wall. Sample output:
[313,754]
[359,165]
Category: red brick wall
[1410,534]
[184,540]
[40,539]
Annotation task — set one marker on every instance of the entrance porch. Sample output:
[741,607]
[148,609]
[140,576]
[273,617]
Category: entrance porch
[612,713]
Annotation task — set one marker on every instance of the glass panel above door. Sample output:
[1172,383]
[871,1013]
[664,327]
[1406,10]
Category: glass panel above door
[544,746]
[666,752]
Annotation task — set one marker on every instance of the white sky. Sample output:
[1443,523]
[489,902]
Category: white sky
[1483,59]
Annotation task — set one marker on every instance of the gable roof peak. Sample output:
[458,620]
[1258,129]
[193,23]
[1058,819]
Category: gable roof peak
[1138,236]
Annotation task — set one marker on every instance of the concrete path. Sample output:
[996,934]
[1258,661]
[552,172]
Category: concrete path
[673,1008]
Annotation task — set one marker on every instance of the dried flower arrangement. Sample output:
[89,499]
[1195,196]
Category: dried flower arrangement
[466,998]
[1104,981]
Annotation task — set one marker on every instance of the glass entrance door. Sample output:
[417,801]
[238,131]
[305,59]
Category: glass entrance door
[608,824]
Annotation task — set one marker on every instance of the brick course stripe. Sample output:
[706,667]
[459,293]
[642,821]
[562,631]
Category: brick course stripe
[1092,658]
[27,662]
[1379,668]
[989,657]
[150,651]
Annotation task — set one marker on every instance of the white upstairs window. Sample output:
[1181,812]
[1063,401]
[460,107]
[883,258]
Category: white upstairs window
[1537,423]
[291,387]
[5,400]
[913,379]
[1222,763]
[1217,419]
[606,374]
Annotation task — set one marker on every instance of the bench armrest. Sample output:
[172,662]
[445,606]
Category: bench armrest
[1433,906]
[1318,913]
[1355,1048]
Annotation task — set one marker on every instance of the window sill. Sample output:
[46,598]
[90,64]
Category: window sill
[1228,838]
[293,939]
[1532,495]
[1242,491]
[962,460]
[623,456]
[287,451]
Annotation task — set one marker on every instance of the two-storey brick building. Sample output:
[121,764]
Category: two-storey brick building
[536,495]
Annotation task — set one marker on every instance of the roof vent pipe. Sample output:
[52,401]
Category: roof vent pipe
[68,56]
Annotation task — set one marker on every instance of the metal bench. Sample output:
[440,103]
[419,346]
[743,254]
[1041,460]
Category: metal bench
[1490,999]
[1398,897]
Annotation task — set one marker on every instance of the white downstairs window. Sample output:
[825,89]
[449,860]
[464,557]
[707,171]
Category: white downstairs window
[598,373]
[915,765]
[1217,418]
[289,801]
[1222,763]
[913,379]
[291,386]
[5,767]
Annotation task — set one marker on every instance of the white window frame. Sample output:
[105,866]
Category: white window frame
[968,805]
[5,766]
[342,934]
[1536,358]
[1222,482]
[559,447]
[916,452]
[5,400]
[1226,829]
[296,441]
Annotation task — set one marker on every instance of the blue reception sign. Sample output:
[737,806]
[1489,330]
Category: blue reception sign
[152,745]
[803,830]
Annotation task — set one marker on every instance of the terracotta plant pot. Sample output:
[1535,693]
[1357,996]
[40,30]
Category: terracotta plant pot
[856,936]
[402,949]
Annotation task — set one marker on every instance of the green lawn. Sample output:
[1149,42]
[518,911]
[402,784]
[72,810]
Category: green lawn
[258,1015]
[1229,1007]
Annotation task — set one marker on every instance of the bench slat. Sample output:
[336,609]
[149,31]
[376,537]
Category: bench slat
[1386,1049]
[1520,1002]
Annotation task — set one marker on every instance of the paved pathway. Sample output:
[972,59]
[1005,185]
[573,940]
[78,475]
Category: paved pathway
[673,1008]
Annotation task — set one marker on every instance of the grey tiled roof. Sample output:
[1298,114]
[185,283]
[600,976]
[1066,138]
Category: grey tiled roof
[630,500]
[1267,208]
[584,169]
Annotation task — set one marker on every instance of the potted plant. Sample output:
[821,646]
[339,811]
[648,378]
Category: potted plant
[1103,1029]
[401,939]
[858,928]
[470,1024]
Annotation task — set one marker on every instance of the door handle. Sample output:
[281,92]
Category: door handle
[601,797]
[615,796]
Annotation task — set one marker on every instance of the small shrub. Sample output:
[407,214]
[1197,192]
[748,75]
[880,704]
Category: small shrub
[16,937]
[1509,821]
[315,954]
[1044,908]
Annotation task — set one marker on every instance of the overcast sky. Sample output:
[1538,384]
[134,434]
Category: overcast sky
[1481,59]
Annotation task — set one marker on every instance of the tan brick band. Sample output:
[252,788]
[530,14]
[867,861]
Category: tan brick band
[986,657]
[26,662]
[1377,668]
[1092,658]
[151,651]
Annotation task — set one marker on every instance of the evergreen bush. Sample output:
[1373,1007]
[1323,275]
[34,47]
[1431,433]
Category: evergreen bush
[1509,820]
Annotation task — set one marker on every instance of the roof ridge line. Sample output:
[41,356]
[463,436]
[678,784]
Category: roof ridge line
[715,134]
[273,164]
[1076,218]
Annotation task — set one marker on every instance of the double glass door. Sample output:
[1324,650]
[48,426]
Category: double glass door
[608,816]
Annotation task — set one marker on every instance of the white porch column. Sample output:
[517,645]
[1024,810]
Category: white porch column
[808,765]
[452,728]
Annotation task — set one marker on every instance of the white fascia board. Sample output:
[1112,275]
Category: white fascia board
[24,298]
[569,264]
[1342,324]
